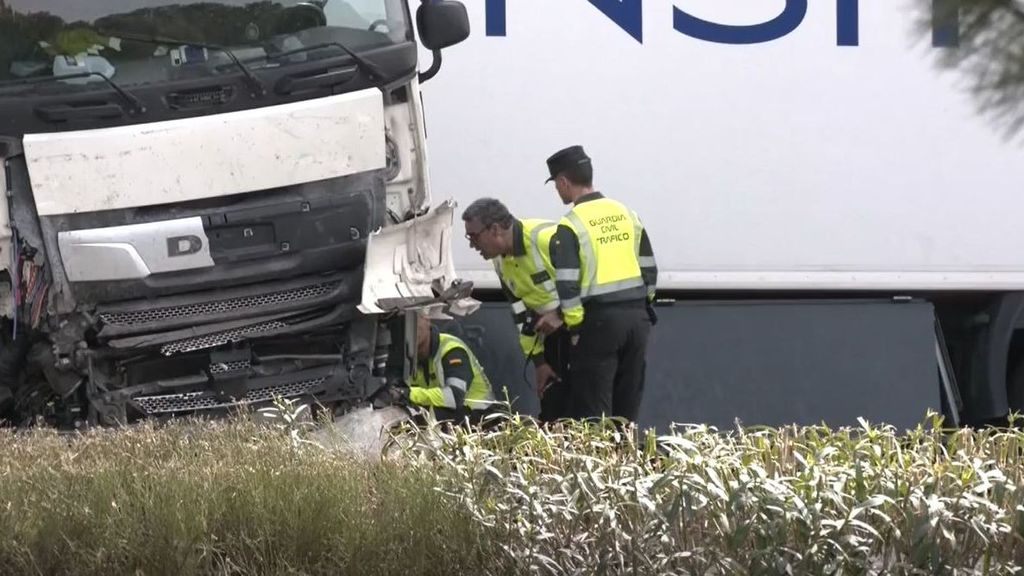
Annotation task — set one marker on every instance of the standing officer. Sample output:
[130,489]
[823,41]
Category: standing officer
[606,276]
[520,251]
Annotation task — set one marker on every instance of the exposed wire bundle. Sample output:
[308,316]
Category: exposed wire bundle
[31,290]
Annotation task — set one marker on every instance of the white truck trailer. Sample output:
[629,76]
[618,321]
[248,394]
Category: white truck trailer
[213,204]
[836,217]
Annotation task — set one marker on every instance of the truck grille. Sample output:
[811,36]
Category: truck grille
[219,338]
[192,401]
[227,367]
[199,310]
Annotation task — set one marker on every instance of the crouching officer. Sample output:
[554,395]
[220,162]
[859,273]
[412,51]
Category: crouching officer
[520,251]
[606,276]
[448,380]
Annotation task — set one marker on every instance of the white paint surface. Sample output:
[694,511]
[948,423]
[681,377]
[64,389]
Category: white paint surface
[795,163]
[181,160]
[405,260]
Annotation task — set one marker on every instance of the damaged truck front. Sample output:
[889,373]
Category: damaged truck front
[212,204]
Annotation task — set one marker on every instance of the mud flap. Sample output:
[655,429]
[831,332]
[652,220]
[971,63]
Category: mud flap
[409,267]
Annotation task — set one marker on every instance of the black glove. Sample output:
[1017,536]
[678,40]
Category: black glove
[652,314]
[398,395]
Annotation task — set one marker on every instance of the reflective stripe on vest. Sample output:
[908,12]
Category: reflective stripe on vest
[538,262]
[535,287]
[609,238]
[478,393]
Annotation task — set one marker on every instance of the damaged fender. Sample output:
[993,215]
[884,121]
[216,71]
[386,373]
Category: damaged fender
[409,266]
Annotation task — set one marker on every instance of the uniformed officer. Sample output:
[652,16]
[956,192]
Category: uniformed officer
[448,380]
[605,276]
[520,252]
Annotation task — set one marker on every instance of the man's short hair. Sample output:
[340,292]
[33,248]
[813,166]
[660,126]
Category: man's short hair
[488,212]
[580,175]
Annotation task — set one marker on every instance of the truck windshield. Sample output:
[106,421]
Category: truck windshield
[47,38]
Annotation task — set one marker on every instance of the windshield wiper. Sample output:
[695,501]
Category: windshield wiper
[135,105]
[370,67]
[250,78]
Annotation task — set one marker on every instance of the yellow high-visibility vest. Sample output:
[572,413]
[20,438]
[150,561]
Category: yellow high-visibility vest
[530,278]
[432,389]
[609,241]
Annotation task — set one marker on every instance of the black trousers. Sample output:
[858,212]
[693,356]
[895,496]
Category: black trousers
[607,363]
[555,402]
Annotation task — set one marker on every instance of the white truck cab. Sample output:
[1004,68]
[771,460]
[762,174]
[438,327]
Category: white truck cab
[213,204]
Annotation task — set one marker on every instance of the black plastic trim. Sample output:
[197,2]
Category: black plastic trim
[293,324]
[305,229]
[346,287]
[18,103]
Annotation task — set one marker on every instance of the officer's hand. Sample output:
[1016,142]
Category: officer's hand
[545,376]
[548,323]
[398,395]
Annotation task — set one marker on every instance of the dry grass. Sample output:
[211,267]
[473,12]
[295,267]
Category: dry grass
[239,498]
[218,499]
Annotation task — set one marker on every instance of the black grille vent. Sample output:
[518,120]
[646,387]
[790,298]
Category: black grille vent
[199,310]
[201,98]
[190,401]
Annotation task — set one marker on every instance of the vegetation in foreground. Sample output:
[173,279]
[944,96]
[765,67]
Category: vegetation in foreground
[242,498]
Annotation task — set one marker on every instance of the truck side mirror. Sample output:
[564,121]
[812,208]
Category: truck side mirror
[442,23]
